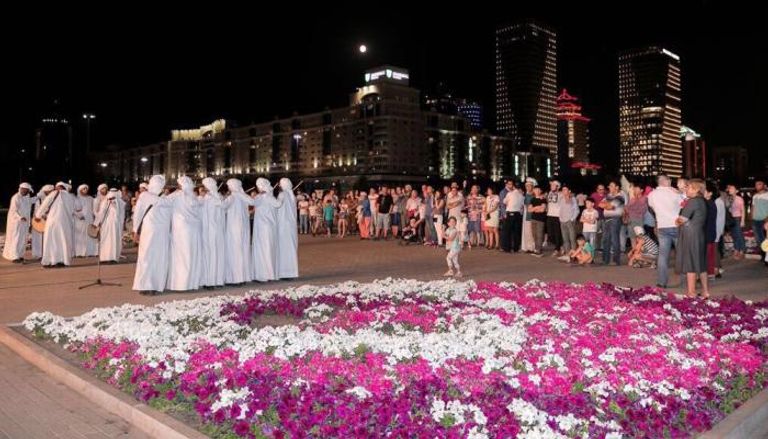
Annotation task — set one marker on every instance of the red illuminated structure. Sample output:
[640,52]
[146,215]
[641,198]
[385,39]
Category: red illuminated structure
[572,136]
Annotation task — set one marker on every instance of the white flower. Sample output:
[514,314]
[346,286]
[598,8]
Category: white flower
[360,392]
[229,397]
[477,433]
[456,411]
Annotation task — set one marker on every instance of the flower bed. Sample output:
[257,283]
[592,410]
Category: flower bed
[404,358]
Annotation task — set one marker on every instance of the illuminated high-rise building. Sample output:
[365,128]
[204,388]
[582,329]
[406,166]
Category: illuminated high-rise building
[695,154]
[649,112]
[526,86]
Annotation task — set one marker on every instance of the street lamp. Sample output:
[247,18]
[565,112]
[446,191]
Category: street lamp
[88,118]
[363,48]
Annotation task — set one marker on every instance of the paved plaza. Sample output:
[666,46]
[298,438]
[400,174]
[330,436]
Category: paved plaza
[44,408]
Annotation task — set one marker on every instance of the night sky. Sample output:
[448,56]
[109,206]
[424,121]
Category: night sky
[145,72]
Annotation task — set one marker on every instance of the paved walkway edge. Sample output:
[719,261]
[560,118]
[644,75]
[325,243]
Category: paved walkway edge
[141,416]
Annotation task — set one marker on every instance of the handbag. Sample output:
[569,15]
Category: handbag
[94,231]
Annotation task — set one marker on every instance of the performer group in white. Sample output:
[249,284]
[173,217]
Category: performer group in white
[186,240]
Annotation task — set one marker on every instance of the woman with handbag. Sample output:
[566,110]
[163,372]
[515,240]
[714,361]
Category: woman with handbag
[491,215]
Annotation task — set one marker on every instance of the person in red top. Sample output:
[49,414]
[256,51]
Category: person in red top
[597,196]
[636,209]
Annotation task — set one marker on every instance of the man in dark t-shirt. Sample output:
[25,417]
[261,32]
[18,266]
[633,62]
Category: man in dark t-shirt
[383,215]
[538,209]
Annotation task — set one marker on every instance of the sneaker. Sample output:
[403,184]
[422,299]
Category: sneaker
[538,255]
[448,273]
[564,258]
[555,254]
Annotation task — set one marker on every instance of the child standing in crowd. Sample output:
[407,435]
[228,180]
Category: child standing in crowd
[462,228]
[304,216]
[328,216]
[589,218]
[314,216]
[453,245]
[583,253]
[343,214]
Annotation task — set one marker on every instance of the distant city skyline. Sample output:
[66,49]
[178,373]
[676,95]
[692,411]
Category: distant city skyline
[143,84]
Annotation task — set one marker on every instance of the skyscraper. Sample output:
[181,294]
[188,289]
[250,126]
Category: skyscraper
[694,153]
[730,164]
[526,81]
[472,111]
[649,112]
[54,153]
[572,134]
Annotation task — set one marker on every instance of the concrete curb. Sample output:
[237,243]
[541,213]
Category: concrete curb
[748,421]
[140,415]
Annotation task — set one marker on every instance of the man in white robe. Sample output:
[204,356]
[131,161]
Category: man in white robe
[152,230]
[213,235]
[84,244]
[265,245]
[287,232]
[37,237]
[17,226]
[110,236]
[237,234]
[101,195]
[58,209]
[122,208]
[185,262]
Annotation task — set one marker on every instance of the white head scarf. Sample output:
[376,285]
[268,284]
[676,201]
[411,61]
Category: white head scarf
[210,184]
[81,187]
[156,184]
[286,185]
[235,185]
[186,184]
[263,185]
[26,186]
